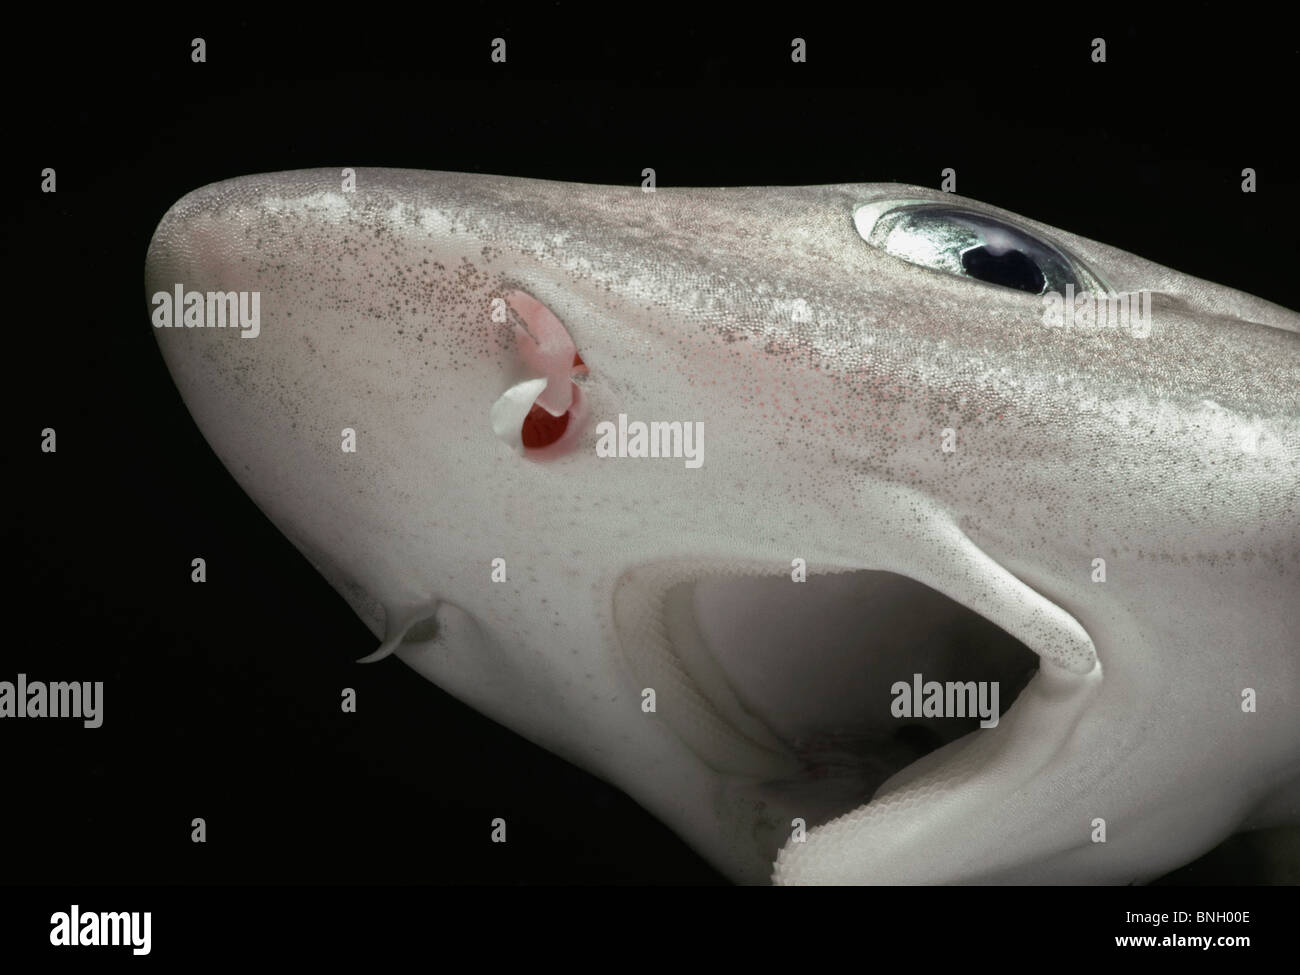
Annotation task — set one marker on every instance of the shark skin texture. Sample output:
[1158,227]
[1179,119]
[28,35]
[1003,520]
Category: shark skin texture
[435,313]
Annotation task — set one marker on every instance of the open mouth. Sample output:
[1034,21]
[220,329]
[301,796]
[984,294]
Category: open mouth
[810,688]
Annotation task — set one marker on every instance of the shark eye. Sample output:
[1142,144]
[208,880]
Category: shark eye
[976,245]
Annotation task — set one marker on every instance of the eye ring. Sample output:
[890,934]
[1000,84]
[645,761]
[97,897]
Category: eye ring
[967,242]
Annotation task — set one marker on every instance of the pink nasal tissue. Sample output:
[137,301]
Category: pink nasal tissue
[547,349]
[537,413]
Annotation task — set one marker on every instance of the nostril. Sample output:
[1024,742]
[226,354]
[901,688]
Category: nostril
[548,437]
[542,416]
[540,429]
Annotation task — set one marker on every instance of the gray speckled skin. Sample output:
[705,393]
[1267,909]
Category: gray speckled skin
[1175,457]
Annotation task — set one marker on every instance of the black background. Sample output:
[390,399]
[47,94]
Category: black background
[221,700]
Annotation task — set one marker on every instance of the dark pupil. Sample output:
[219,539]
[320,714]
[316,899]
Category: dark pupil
[1011,269]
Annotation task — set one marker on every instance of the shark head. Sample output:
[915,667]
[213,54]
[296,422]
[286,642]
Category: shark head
[830,523]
